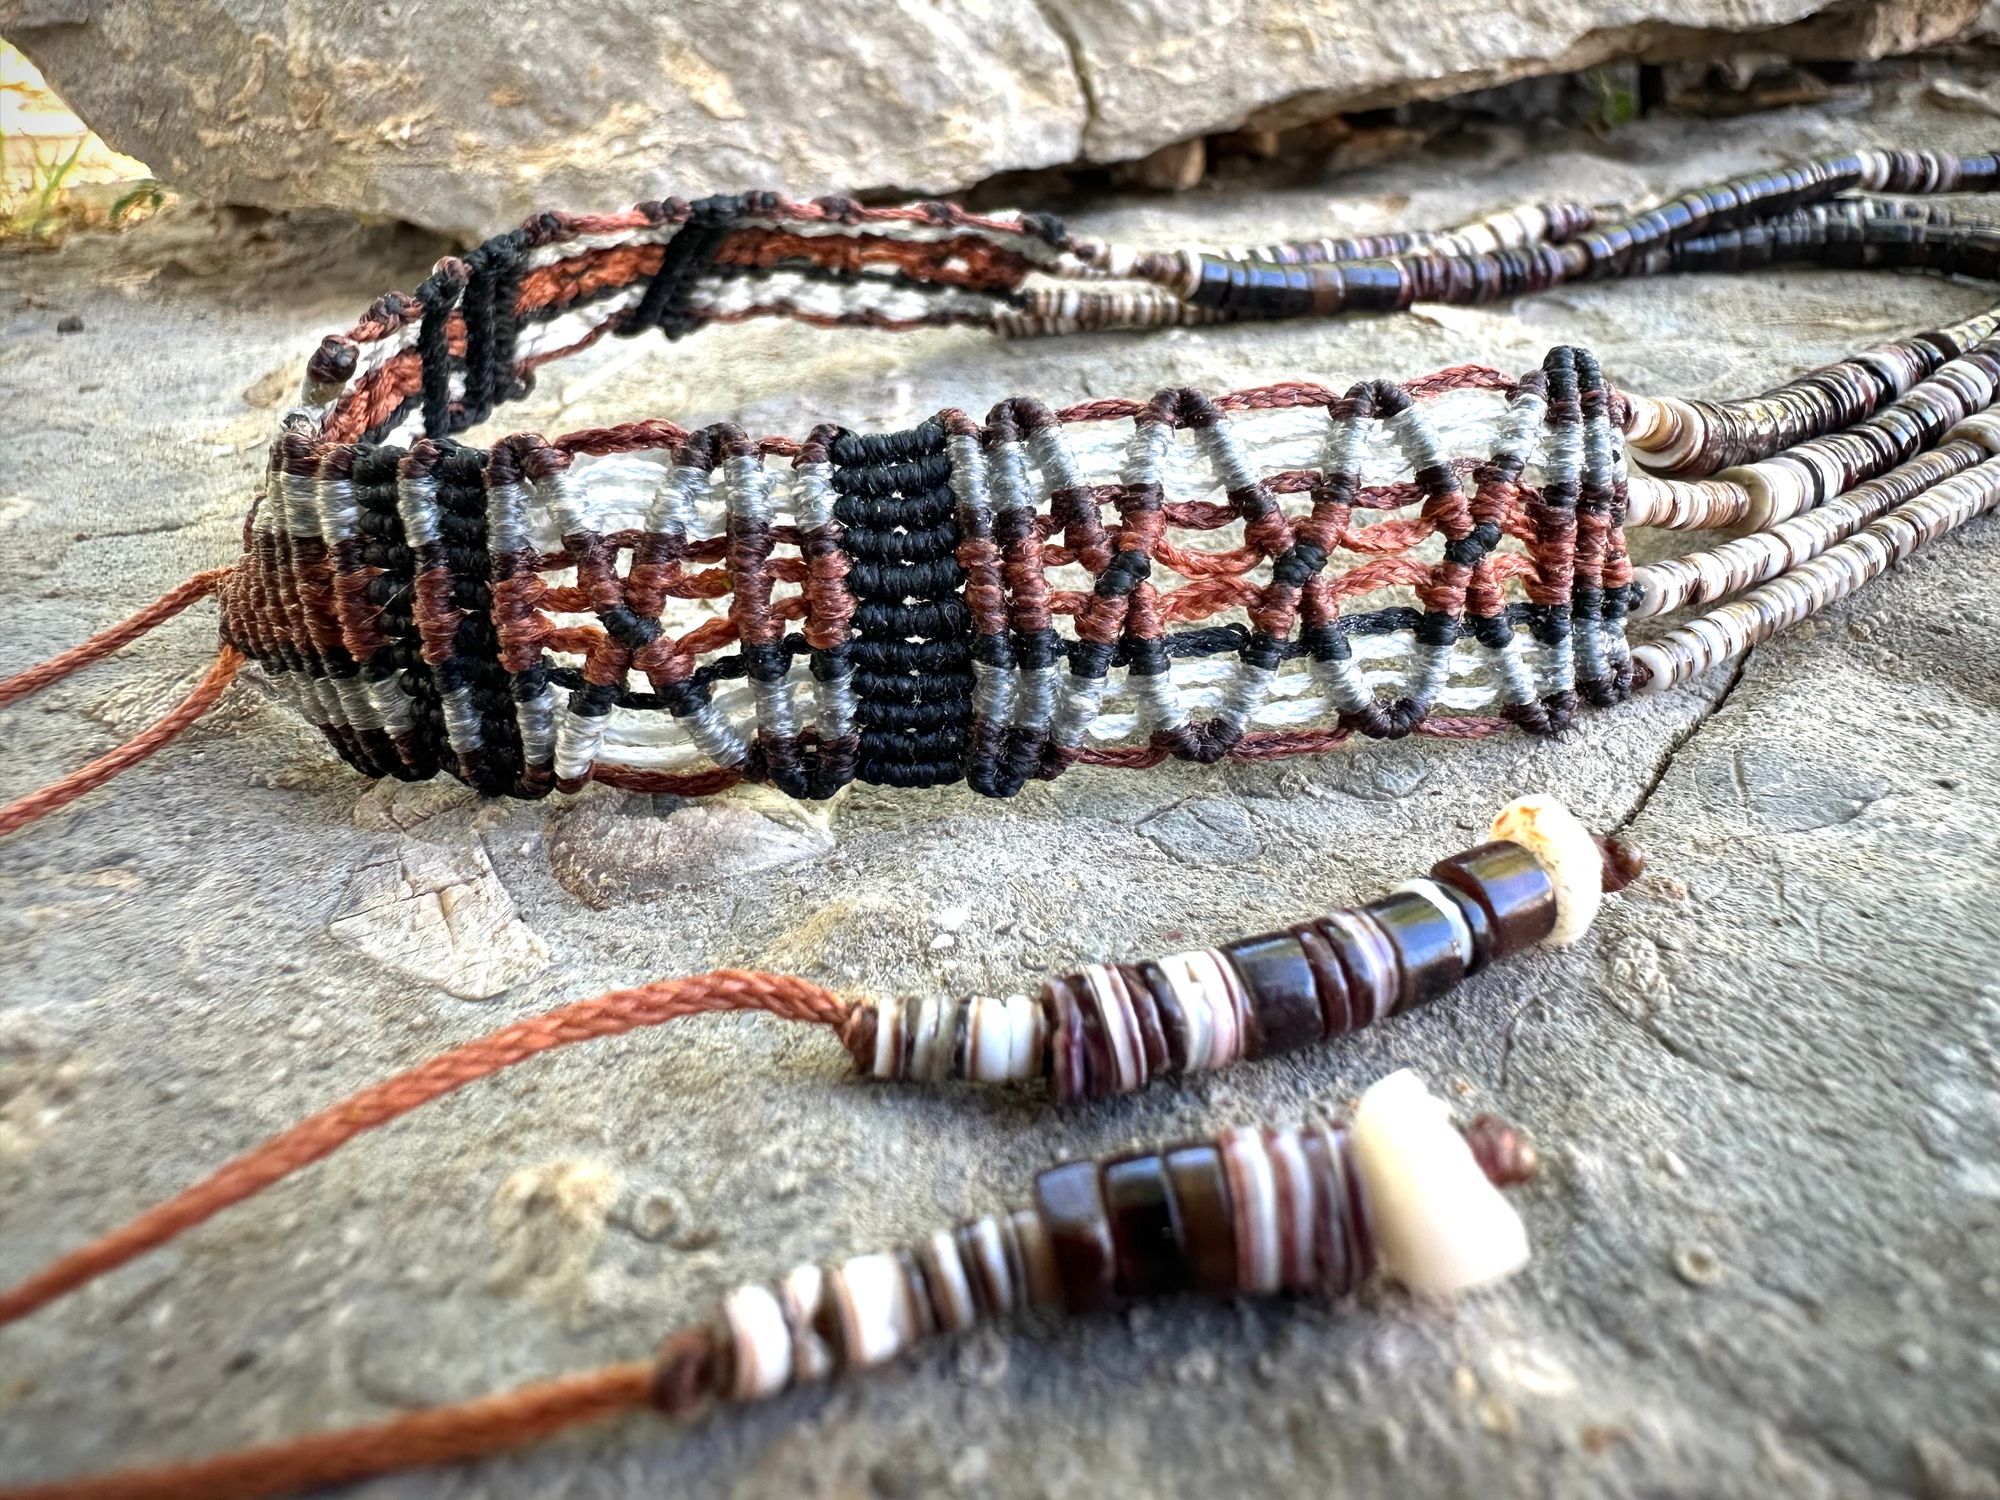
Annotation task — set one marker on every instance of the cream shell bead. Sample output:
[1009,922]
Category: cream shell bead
[1563,847]
[1440,1225]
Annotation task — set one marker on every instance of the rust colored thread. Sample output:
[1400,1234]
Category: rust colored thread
[1622,863]
[39,804]
[101,645]
[441,1435]
[1503,1151]
[320,1135]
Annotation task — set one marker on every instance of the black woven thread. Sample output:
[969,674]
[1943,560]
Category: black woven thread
[490,326]
[689,253]
[1192,644]
[379,524]
[439,294]
[912,646]
[475,661]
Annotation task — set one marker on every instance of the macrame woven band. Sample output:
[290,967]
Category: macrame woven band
[1256,573]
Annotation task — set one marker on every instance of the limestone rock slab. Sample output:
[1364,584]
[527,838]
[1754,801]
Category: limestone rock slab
[465,117]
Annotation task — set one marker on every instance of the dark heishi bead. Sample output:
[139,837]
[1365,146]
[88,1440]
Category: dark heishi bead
[1207,1222]
[1360,1228]
[1152,1035]
[1372,286]
[1173,1024]
[1071,1205]
[832,1329]
[985,1295]
[1426,947]
[961,1042]
[1514,889]
[1329,289]
[1145,1227]
[1371,983]
[1284,1002]
[1066,1055]
[1328,980]
[1333,1259]
[917,1288]
[1476,922]
[1100,1063]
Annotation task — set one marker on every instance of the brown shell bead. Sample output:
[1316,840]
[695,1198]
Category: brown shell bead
[1428,959]
[1284,1000]
[1069,1199]
[1510,886]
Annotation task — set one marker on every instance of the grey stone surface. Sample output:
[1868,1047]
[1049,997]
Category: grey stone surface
[1768,1085]
[468,115]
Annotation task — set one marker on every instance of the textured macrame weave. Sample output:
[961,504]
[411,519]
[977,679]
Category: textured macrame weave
[1254,573]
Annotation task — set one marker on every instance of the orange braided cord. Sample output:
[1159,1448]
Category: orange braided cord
[39,804]
[321,1134]
[441,1435]
[101,645]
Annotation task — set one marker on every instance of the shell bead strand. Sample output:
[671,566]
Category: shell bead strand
[1112,1028]
[1319,1208]
[1313,1208]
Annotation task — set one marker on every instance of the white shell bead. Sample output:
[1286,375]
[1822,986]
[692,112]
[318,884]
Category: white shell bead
[760,1341]
[1440,1225]
[872,1297]
[1563,847]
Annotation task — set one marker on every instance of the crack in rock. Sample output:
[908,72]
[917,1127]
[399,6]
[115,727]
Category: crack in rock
[1680,743]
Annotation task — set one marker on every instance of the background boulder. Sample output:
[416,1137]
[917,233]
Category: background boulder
[466,117]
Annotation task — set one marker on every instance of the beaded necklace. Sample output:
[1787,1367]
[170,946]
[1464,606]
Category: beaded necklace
[1315,1208]
[616,605]
[674,610]
[1253,1211]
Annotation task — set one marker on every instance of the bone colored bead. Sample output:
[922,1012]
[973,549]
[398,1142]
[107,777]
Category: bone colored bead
[1778,489]
[1440,1225]
[1187,992]
[1649,422]
[940,1040]
[1647,502]
[1716,573]
[760,1344]
[1004,1039]
[1564,848]
[1674,434]
[1983,429]
[1120,1027]
[1236,995]
[1684,504]
[1030,1037]
[1461,933]
[1690,649]
[990,1045]
[1226,1014]
[1204,989]
[921,1023]
[872,1298]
